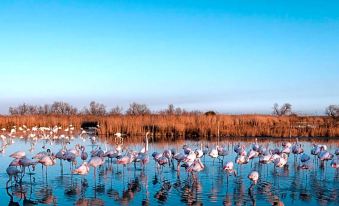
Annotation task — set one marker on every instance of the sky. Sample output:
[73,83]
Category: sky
[228,56]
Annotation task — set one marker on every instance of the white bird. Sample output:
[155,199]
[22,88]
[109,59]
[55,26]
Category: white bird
[199,152]
[281,161]
[254,176]
[255,146]
[196,166]
[229,168]
[83,169]
[214,153]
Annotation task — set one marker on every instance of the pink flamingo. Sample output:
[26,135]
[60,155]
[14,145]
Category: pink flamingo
[26,162]
[47,161]
[95,162]
[18,155]
[12,171]
[195,167]
[335,163]
[179,157]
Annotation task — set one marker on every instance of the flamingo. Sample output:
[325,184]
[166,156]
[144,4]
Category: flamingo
[241,159]
[15,163]
[190,158]
[61,156]
[335,163]
[26,162]
[296,148]
[95,162]
[199,152]
[42,154]
[253,154]
[281,161]
[84,154]
[255,145]
[47,161]
[229,169]
[336,152]
[324,155]
[12,171]
[143,154]
[286,150]
[254,176]
[18,155]
[179,157]
[168,154]
[196,166]
[71,158]
[83,169]
[222,152]
[145,149]
[214,153]
[304,158]
[186,149]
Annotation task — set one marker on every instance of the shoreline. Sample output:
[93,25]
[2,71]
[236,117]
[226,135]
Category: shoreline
[174,127]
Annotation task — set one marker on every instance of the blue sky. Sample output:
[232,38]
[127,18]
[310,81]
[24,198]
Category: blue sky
[229,56]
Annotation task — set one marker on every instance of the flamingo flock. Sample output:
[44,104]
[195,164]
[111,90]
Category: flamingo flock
[192,160]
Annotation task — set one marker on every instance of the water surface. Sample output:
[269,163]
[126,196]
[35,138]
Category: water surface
[116,185]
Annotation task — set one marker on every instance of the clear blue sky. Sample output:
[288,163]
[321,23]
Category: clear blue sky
[229,56]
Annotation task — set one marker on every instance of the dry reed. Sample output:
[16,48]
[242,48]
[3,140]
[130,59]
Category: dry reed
[174,127]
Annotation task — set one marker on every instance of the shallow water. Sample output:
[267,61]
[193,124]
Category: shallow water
[115,185]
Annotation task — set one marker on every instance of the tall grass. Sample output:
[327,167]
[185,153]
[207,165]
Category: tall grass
[174,127]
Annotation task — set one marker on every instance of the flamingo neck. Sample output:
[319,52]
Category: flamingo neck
[146,144]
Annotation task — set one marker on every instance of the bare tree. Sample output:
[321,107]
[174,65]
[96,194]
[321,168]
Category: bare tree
[170,110]
[276,110]
[62,108]
[13,110]
[332,111]
[46,109]
[95,109]
[23,109]
[178,111]
[116,111]
[138,109]
[285,109]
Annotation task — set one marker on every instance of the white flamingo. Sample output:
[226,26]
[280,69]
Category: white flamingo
[254,176]
[83,169]
[214,153]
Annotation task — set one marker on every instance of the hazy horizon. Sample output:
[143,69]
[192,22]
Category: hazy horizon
[227,56]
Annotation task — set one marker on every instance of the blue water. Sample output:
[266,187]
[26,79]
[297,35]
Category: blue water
[115,185]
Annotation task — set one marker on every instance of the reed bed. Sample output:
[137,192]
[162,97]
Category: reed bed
[180,127]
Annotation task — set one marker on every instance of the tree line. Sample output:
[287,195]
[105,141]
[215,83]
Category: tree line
[99,109]
[95,108]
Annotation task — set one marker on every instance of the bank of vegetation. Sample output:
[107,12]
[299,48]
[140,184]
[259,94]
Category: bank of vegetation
[175,123]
